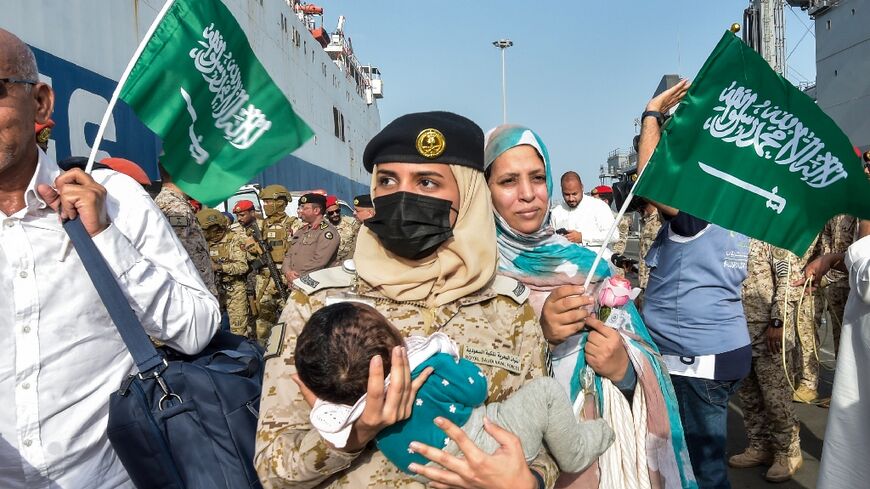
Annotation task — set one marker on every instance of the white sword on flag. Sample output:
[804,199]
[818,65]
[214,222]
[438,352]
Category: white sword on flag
[775,202]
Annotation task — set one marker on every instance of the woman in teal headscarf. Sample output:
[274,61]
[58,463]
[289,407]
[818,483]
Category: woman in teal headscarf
[593,361]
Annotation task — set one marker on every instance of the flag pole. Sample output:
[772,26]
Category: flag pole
[613,227]
[114,100]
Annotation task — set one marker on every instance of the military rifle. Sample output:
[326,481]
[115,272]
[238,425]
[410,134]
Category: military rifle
[270,263]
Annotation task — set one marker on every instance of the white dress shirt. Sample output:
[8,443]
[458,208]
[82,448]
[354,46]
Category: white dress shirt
[60,354]
[592,218]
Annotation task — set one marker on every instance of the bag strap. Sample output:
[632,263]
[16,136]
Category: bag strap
[147,357]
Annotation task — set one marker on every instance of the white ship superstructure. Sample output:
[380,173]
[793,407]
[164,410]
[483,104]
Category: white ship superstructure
[83,46]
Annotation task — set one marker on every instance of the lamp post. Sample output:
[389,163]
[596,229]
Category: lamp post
[503,44]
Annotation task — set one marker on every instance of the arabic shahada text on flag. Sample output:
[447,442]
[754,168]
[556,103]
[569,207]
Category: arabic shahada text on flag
[750,152]
[199,86]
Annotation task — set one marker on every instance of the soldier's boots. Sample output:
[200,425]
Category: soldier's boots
[751,457]
[805,394]
[784,467]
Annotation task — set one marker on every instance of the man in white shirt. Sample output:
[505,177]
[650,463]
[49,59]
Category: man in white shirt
[585,221]
[61,354]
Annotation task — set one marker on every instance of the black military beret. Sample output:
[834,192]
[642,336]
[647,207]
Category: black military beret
[427,137]
[364,200]
[313,198]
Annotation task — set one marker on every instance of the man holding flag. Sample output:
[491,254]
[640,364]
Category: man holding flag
[694,313]
[62,353]
[770,164]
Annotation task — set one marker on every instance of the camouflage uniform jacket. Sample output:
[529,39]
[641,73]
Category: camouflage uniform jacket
[229,257]
[770,272]
[624,227]
[181,217]
[277,231]
[495,328]
[347,231]
[838,234]
[650,225]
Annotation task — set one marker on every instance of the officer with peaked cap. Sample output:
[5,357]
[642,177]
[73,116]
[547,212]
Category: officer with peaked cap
[363,207]
[314,245]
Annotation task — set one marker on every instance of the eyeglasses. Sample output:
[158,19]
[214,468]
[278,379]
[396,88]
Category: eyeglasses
[333,213]
[4,89]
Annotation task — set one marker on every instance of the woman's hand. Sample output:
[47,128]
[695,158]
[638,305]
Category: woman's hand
[564,312]
[605,351]
[506,467]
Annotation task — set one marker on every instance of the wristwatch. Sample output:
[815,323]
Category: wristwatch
[776,323]
[653,113]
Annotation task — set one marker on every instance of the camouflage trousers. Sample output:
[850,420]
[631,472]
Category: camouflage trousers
[768,412]
[236,305]
[269,304]
[835,295]
[807,329]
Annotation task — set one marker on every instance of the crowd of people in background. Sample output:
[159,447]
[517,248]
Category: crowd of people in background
[459,245]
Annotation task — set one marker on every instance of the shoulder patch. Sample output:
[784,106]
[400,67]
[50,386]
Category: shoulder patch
[323,225]
[178,221]
[328,235]
[328,278]
[512,288]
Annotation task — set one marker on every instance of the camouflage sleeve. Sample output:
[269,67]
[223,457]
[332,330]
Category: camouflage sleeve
[826,239]
[533,352]
[289,452]
[237,264]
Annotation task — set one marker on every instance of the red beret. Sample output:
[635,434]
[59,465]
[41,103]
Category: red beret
[331,200]
[243,205]
[601,189]
[128,168]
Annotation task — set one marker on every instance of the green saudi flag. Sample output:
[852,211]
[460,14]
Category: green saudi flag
[750,152]
[199,86]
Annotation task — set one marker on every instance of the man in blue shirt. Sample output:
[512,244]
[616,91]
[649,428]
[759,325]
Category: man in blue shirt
[693,308]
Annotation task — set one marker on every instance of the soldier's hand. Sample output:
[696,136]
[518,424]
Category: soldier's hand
[773,337]
[605,351]
[564,312]
[386,406]
[291,275]
[575,236]
[75,193]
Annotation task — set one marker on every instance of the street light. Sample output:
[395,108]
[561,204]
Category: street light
[503,44]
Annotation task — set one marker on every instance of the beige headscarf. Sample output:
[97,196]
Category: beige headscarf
[461,266]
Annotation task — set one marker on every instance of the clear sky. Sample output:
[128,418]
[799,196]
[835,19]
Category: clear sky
[579,72]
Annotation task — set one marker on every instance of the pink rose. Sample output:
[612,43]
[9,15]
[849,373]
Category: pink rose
[615,292]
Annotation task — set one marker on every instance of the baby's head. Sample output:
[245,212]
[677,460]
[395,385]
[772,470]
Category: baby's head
[335,347]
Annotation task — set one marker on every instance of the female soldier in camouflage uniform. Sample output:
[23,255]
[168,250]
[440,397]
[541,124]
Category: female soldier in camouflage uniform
[427,262]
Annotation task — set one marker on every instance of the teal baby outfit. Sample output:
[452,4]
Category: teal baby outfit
[452,391]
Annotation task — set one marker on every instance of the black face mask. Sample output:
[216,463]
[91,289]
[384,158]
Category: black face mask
[411,225]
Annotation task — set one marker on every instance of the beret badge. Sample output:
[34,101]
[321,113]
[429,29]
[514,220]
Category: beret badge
[431,143]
